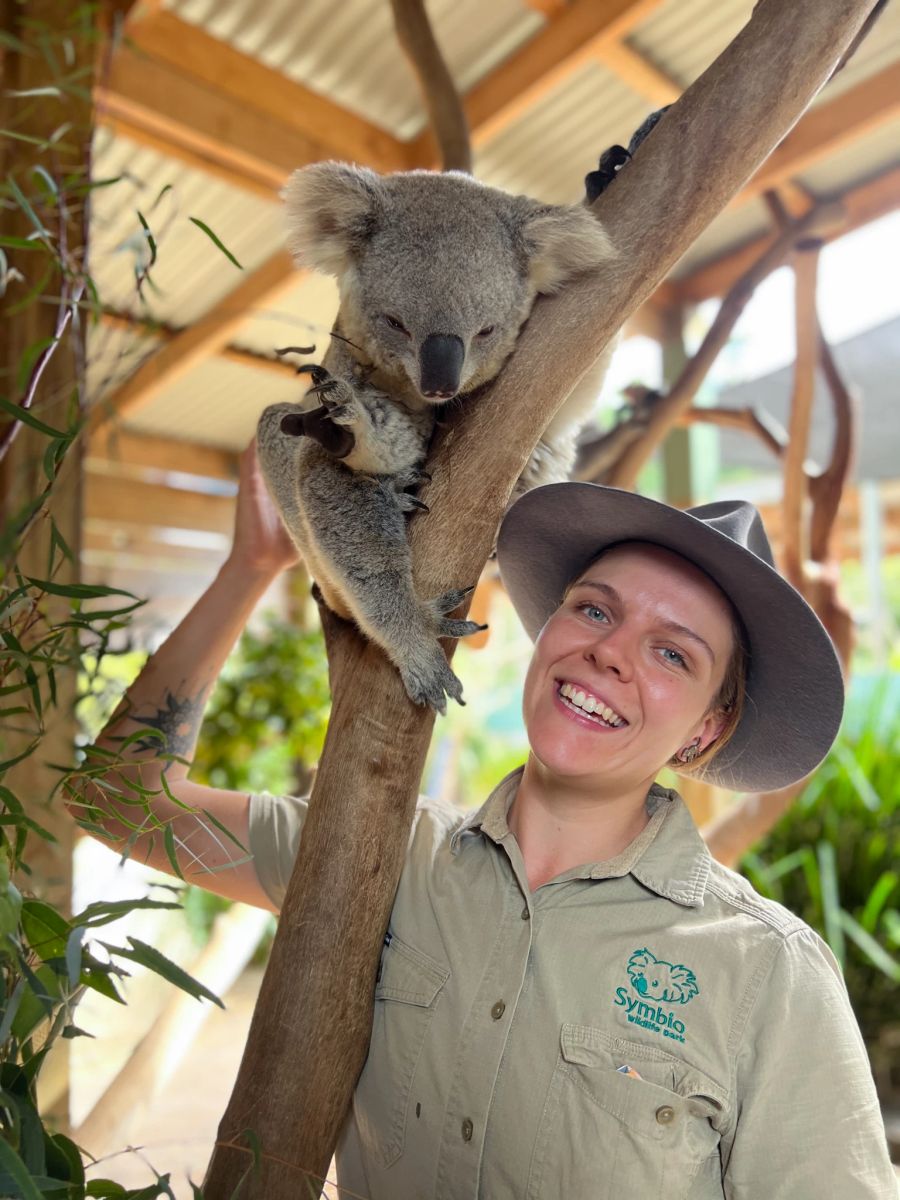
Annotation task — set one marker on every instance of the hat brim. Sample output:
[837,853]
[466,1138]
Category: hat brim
[795,693]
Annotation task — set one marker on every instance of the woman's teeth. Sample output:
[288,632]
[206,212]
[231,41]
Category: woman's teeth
[587,704]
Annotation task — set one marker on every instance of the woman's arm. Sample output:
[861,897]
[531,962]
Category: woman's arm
[808,1122]
[166,702]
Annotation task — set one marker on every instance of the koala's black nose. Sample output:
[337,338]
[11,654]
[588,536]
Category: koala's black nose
[441,361]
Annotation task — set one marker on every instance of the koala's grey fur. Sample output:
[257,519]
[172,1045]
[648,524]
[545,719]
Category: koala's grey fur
[457,266]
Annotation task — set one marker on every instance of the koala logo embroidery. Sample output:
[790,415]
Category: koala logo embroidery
[654,979]
[658,980]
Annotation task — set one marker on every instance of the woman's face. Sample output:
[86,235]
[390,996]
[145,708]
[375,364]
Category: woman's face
[644,638]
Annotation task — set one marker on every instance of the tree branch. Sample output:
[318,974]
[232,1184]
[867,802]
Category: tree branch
[684,389]
[445,108]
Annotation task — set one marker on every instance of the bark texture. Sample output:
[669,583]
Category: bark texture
[309,1036]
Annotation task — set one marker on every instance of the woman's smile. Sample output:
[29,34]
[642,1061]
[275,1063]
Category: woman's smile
[587,707]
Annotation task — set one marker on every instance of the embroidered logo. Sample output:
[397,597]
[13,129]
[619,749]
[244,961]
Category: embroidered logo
[655,979]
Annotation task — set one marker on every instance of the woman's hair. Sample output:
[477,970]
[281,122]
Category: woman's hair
[729,699]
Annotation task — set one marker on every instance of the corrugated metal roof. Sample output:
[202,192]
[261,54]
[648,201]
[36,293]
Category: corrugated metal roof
[880,48]
[217,404]
[684,36]
[547,152]
[302,316]
[191,274]
[349,51]
[859,161]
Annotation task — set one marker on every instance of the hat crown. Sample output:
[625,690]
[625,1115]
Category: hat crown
[739,521]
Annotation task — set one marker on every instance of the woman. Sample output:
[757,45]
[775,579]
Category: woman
[574,1000]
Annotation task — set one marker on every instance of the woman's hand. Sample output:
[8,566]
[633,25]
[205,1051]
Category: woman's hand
[261,543]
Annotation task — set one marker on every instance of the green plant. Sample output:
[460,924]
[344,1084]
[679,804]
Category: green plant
[265,722]
[834,858]
[54,630]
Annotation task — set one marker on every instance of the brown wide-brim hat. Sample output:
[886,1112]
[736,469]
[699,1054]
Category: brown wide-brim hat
[795,693]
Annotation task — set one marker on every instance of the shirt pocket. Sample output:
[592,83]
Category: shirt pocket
[406,992]
[604,1135]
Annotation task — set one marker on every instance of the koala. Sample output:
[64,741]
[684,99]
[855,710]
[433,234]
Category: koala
[437,274]
[658,980]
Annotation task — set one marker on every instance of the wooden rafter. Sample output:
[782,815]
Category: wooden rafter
[569,40]
[639,73]
[862,204]
[192,53]
[165,333]
[829,127]
[207,336]
[147,456]
[135,502]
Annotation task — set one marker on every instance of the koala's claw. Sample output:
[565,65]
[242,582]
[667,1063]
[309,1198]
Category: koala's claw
[343,414]
[449,600]
[448,627]
[323,387]
[407,503]
[433,684]
[319,374]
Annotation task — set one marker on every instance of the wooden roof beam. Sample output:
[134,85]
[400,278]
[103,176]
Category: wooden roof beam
[148,456]
[165,333]
[214,64]
[862,204]
[829,127]
[200,101]
[570,39]
[639,73]
[210,335]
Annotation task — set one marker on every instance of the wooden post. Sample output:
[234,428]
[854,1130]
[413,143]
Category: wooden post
[310,1032]
[45,27]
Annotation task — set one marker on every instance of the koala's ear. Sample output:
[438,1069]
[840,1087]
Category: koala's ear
[332,210]
[562,242]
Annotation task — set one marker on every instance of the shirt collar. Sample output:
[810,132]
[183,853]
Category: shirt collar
[668,856]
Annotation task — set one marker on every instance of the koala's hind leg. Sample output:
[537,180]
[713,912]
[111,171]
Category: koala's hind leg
[360,530]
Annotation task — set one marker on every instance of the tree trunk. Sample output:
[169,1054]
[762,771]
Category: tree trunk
[309,1036]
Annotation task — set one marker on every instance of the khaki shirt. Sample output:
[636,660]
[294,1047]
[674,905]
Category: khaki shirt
[504,1019]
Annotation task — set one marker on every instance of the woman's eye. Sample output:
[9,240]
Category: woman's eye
[395,324]
[486,332]
[591,610]
[673,656]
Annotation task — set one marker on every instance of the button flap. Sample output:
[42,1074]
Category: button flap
[408,975]
[587,1046]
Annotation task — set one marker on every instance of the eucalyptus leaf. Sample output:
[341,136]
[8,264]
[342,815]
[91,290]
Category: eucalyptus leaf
[153,960]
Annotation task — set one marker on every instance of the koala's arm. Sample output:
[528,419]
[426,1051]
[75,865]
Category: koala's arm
[386,436]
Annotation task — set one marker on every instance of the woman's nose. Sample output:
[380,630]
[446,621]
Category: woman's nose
[612,652]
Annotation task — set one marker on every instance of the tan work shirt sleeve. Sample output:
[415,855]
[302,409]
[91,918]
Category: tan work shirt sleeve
[275,824]
[808,1125]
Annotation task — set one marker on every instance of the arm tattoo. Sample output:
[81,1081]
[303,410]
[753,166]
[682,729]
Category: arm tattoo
[178,722]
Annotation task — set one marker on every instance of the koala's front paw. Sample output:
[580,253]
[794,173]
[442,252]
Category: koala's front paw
[340,400]
[445,626]
[429,680]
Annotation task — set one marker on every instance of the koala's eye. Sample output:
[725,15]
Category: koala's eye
[486,332]
[395,324]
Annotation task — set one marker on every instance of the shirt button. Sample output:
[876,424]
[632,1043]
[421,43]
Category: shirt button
[467,1130]
[498,1010]
[665,1115]
[526,915]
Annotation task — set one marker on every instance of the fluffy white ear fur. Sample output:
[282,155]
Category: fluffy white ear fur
[563,242]
[331,209]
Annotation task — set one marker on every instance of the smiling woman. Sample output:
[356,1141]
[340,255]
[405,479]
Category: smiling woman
[574,999]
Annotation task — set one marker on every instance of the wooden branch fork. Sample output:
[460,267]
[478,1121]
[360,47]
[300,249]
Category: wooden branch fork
[309,1036]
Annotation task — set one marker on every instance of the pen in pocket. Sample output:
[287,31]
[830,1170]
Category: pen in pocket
[629,1071]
